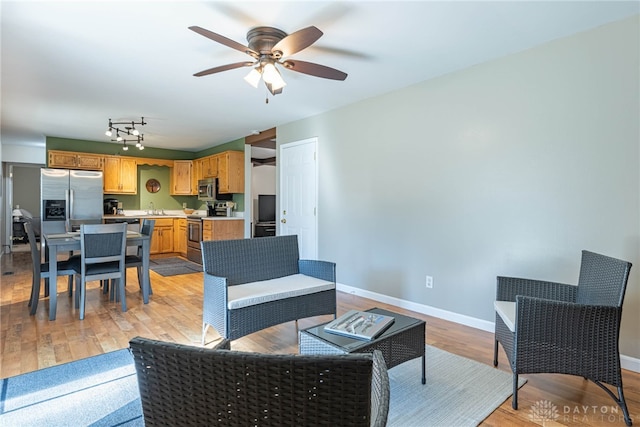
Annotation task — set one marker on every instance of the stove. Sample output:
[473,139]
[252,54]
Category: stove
[194,237]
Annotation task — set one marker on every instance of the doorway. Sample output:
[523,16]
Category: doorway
[262,178]
[22,200]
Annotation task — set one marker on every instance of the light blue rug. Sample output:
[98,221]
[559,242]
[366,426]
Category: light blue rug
[96,391]
[103,391]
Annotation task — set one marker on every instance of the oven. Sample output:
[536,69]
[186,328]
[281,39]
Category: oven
[194,237]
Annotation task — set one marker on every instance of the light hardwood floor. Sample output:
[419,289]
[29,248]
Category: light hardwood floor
[175,314]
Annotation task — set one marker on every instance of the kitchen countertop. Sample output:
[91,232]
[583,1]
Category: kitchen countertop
[169,214]
[216,218]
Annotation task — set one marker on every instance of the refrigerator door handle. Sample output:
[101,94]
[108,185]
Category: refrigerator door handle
[68,196]
[71,203]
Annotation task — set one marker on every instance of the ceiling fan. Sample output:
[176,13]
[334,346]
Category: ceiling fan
[269,46]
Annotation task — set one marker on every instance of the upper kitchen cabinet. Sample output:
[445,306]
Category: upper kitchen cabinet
[209,166]
[120,175]
[73,160]
[181,182]
[231,172]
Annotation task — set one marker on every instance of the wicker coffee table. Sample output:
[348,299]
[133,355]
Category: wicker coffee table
[403,341]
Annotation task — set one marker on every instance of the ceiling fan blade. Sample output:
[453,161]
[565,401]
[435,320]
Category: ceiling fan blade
[316,70]
[225,41]
[223,68]
[297,41]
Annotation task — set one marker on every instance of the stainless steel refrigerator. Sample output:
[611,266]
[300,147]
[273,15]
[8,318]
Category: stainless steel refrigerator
[69,198]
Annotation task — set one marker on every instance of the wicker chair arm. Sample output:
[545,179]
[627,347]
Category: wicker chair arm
[509,287]
[565,326]
[215,286]
[323,270]
[380,391]
[214,302]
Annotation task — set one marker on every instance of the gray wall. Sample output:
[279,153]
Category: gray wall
[511,167]
[26,188]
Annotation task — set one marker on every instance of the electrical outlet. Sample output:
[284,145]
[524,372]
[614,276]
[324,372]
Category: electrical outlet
[429,283]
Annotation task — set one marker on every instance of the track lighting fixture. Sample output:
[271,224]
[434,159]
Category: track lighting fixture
[128,128]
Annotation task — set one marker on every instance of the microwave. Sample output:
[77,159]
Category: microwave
[207,189]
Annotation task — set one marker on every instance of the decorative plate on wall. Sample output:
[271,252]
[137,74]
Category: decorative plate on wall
[153,186]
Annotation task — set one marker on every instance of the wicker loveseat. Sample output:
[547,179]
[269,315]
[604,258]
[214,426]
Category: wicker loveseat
[182,385]
[252,284]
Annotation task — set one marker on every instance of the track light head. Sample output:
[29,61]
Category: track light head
[128,128]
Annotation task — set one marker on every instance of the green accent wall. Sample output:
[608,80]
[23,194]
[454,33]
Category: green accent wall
[115,149]
[162,199]
[236,145]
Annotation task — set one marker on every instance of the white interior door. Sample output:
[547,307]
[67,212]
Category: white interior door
[298,194]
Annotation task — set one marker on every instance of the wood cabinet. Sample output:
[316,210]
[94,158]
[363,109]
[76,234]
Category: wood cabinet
[222,229]
[74,160]
[180,236]
[181,182]
[209,166]
[162,239]
[196,174]
[231,172]
[120,175]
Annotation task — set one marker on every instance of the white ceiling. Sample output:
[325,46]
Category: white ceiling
[69,66]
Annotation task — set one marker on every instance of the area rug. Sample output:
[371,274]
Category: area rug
[173,266]
[96,391]
[103,391]
[459,391]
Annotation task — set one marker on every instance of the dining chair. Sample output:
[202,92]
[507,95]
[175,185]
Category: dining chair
[550,327]
[102,253]
[146,228]
[41,270]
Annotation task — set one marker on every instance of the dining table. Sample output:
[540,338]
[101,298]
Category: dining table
[56,243]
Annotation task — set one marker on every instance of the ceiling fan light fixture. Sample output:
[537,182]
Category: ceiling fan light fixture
[253,78]
[271,75]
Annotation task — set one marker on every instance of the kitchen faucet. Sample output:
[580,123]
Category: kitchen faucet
[151,208]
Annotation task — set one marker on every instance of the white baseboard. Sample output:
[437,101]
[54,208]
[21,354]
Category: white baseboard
[630,363]
[627,362]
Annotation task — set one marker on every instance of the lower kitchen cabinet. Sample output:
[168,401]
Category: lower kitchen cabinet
[180,236]
[222,229]
[162,239]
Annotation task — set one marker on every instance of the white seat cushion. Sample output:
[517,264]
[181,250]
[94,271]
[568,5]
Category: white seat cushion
[507,312]
[294,285]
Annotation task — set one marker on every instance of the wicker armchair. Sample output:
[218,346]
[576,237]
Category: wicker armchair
[182,385]
[548,327]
